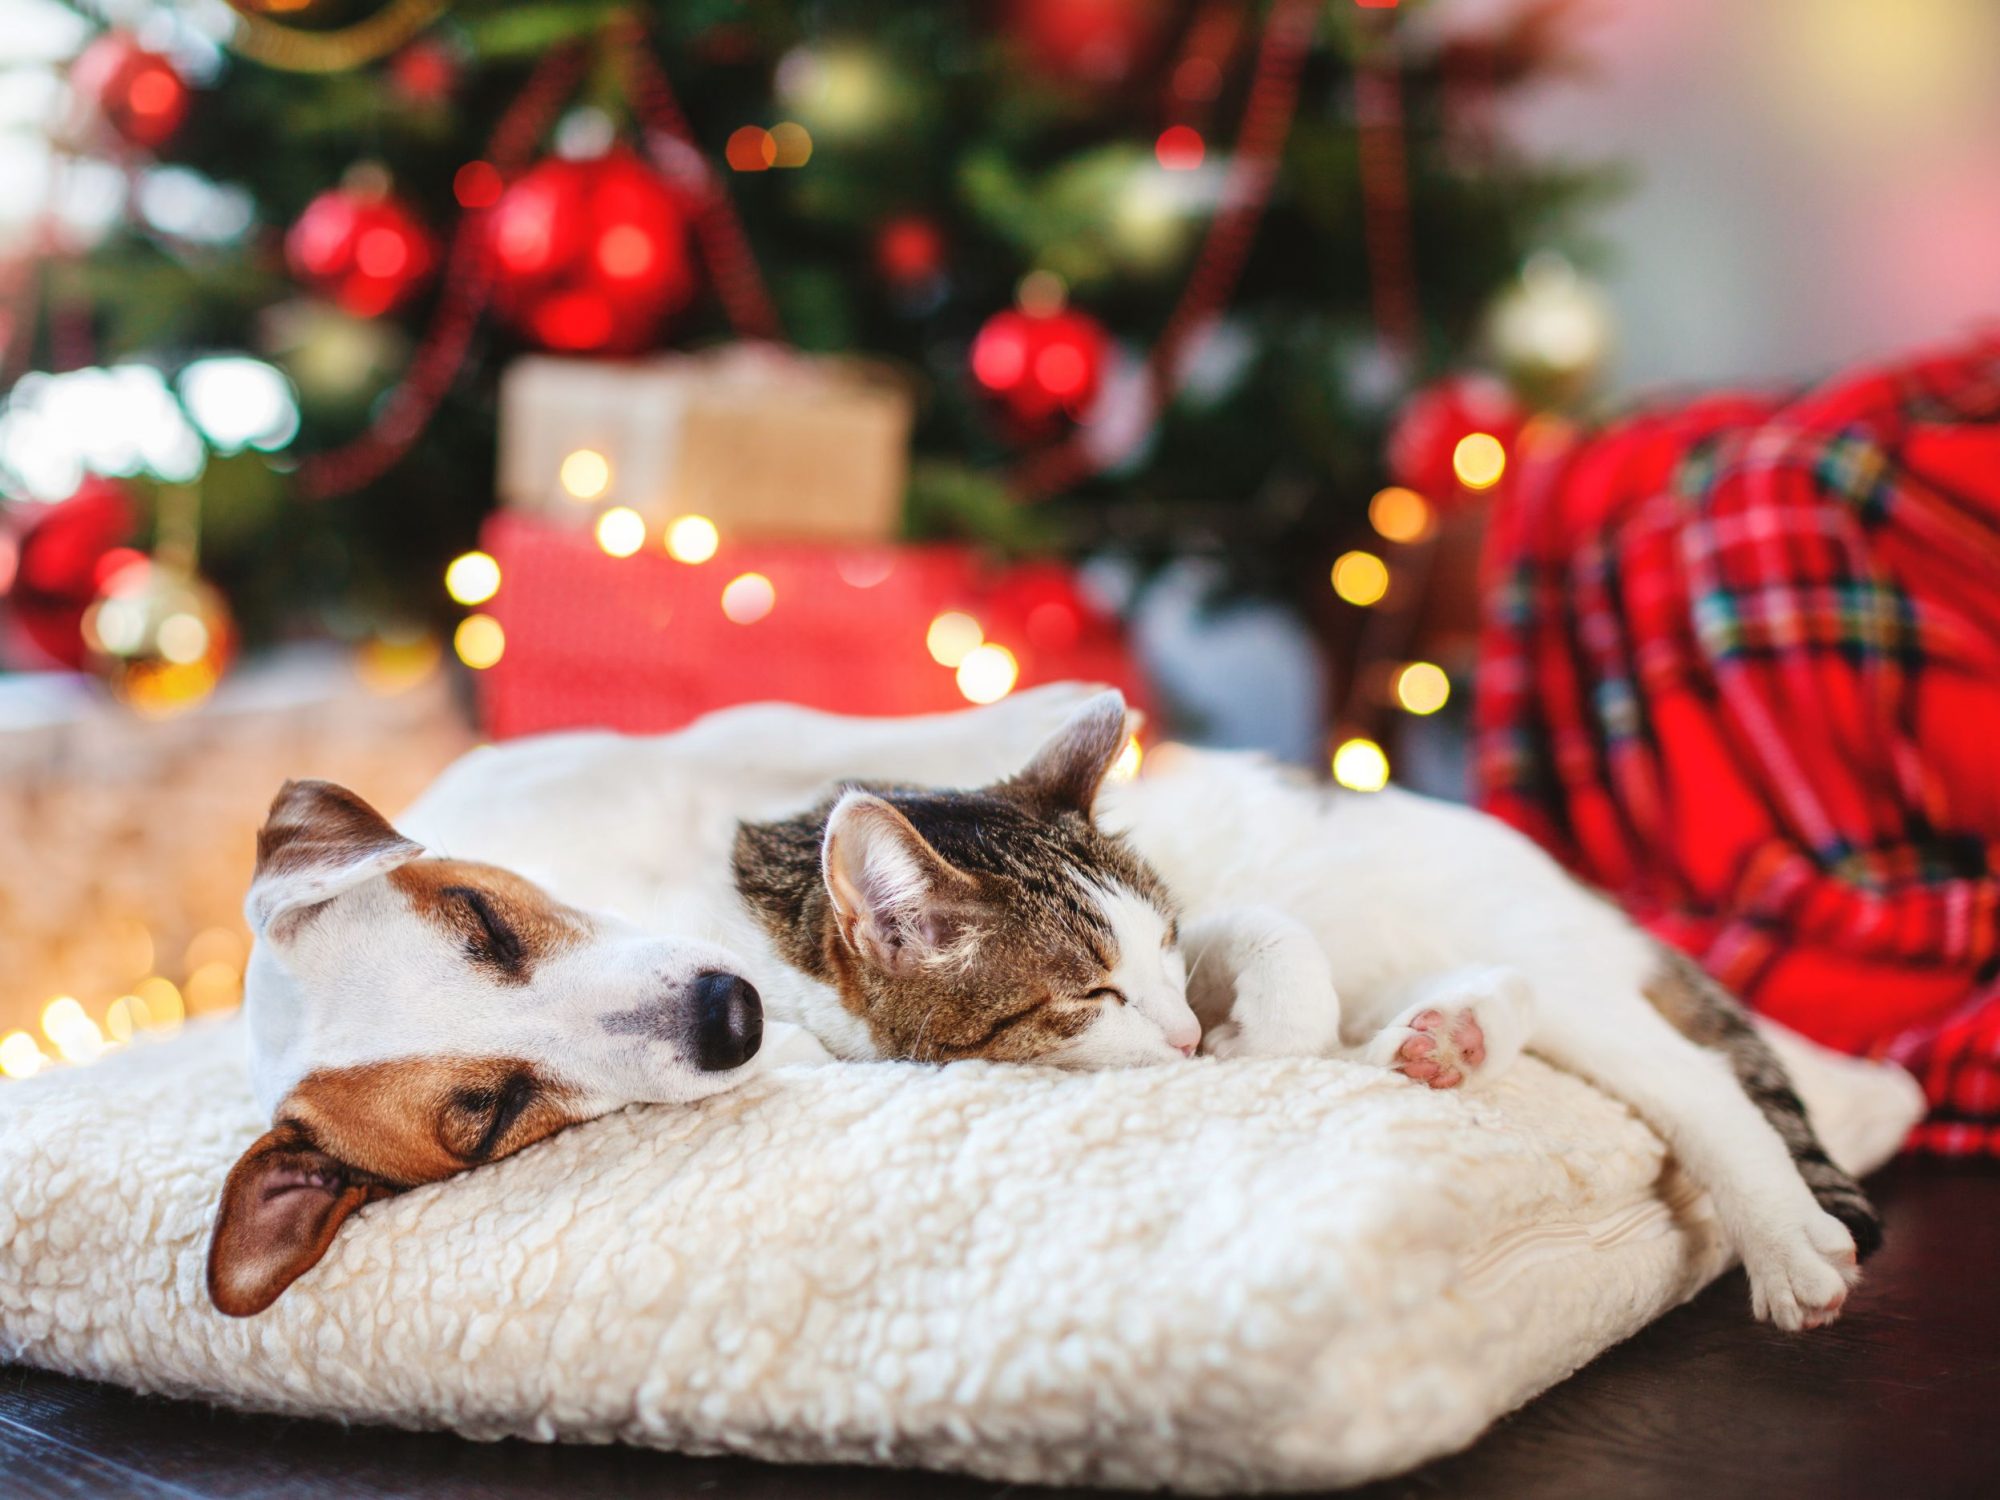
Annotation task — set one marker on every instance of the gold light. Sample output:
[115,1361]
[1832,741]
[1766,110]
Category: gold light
[951,636]
[748,597]
[987,673]
[479,641]
[472,578]
[75,1035]
[213,986]
[1399,515]
[1422,687]
[1479,460]
[163,1007]
[19,1056]
[791,144]
[1360,766]
[585,474]
[1361,578]
[692,539]
[621,531]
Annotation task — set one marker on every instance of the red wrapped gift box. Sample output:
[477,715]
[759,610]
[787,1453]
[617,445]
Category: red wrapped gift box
[642,644]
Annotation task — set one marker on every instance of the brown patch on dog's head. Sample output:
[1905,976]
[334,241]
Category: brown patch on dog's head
[350,1136]
[507,925]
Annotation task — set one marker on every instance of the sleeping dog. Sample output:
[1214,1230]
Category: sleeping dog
[413,1014]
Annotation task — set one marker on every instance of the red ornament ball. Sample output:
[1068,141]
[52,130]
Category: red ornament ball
[62,555]
[1425,435]
[425,73]
[139,94]
[1085,41]
[1041,365]
[591,256]
[909,250]
[362,248]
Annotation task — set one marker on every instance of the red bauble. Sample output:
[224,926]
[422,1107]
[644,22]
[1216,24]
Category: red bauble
[591,256]
[1041,365]
[425,73]
[138,93]
[1086,41]
[1427,432]
[362,248]
[63,553]
[909,250]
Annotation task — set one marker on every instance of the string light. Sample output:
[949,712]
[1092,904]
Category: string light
[747,598]
[1422,687]
[472,578]
[1361,578]
[1360,766]
[750,148]
[161,997]
[76,1037]
[692,539]
[987,673]
[19,1056]
[1399,515]
[479,641]
[791,144]
[585,474]
[1479,460]
[1129,760]
[621,531]
[951,637]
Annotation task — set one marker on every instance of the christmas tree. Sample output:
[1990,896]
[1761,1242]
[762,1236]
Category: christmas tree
[1159,272]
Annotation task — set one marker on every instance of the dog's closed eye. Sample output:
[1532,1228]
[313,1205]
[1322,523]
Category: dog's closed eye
[478,1119]
[491,940]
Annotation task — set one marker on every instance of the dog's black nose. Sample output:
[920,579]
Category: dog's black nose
[728,1022]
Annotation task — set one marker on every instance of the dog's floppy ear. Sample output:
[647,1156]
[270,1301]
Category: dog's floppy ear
[317,841]
[898,901]
[281,1206]
[1066,772]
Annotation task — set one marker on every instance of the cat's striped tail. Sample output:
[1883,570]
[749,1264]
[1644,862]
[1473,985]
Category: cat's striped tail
[1707,1014]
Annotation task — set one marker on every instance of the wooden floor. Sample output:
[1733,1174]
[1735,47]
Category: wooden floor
[1901,1399]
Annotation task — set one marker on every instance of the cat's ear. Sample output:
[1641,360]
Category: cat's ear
[284,1201]
[899,903]
[1067,771]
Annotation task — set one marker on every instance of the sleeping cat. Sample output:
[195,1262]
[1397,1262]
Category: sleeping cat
[1031,920]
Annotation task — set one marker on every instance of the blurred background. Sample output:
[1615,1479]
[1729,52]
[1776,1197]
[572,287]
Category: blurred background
[382,375]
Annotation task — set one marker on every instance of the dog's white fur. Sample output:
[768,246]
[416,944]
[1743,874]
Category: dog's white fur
[1309,915]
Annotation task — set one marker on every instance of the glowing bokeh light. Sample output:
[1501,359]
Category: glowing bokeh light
[1479,460]
[1361,578]
[988,673]
[1180,148]
[621,531]
[1360,766]
[1422,687]
[747,598]
[479,641]
[1129,760]
[951,636]
[692,539]
[1399,515]
[472,578]
[585,474]
[20,1057]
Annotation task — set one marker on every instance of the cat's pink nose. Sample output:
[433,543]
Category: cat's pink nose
[1186,1049]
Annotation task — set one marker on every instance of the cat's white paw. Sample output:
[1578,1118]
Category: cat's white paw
[1298,1024]
[1800,1272]
[1466,1028]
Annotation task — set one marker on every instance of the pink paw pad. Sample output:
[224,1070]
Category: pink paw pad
[1443,1050]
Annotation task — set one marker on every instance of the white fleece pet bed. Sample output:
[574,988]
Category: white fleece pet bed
[1223,1276]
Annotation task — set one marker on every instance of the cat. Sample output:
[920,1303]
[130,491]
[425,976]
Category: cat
[1051,918]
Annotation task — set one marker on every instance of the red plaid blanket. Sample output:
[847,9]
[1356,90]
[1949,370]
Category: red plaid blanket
[1741,668]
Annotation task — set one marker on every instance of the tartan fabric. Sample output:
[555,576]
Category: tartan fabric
[1740,667]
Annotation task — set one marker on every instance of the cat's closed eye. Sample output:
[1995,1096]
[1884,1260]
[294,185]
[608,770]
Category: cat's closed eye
[1106,992]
